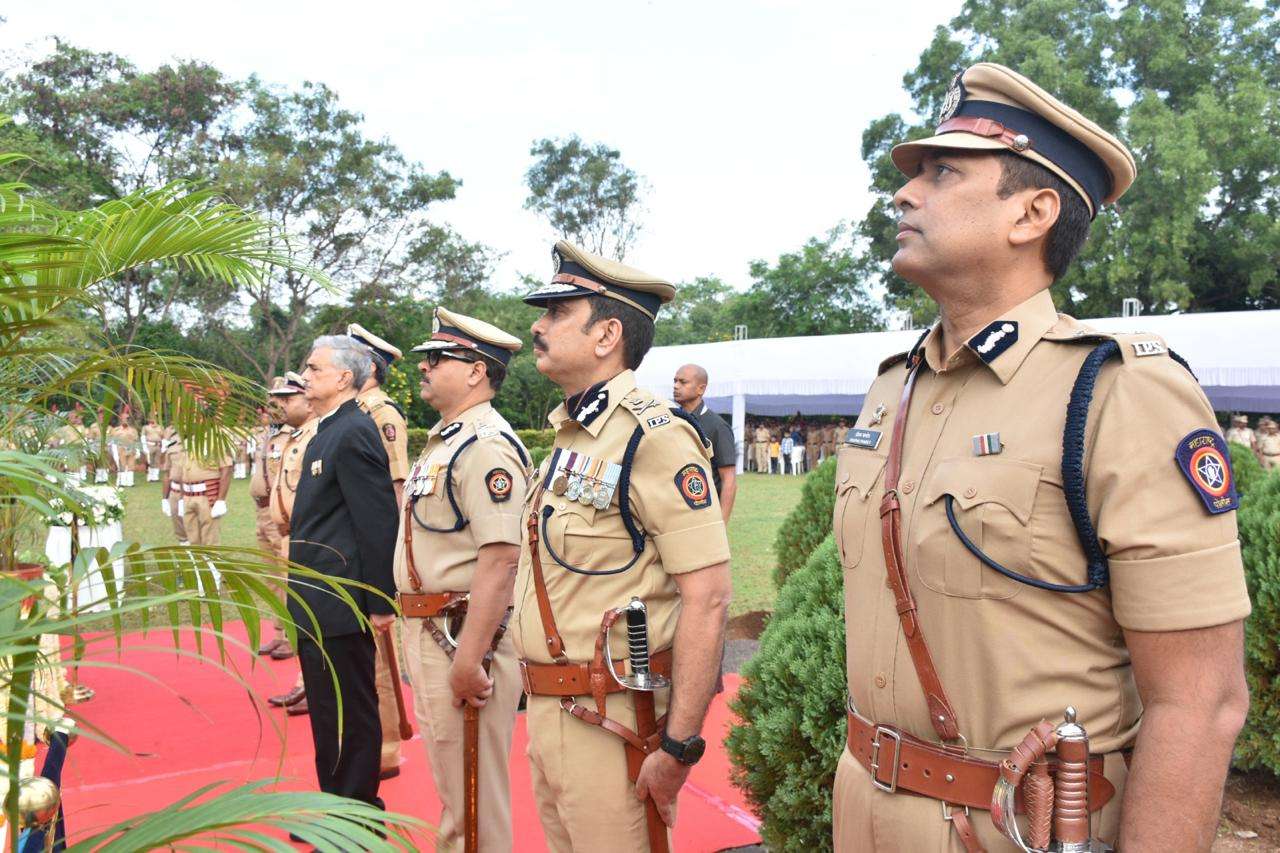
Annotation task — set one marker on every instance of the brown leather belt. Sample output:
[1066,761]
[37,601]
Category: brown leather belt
[424,605]
[573,679]
[898,761]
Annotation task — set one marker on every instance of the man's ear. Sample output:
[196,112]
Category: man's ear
[608,336]
[479,373]
[1039,213]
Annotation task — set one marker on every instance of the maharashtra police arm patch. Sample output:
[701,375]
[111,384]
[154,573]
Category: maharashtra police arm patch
[498,482]
[691,482]
[1202,459]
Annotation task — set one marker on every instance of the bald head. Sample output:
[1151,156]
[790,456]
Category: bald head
[689,385]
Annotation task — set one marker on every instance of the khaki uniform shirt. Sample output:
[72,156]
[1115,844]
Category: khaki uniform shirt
[194,470]
[1243,435]
[171,453]
[489,483]
[1009,654]
[285,486]
[392,428]
[266,459]
[151,435]
[829,439]
[672,501]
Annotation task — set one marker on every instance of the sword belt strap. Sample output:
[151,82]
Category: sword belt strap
[898,761]
[455,604]
[555,645]
[424,605]
[574,679]
[941,713]
[410,563]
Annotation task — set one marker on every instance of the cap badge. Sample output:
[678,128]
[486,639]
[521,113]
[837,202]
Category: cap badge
[953,99]
[556,260]
[1021,142]
[435,324]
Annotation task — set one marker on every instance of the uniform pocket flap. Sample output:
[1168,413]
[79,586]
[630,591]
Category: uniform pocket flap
[1011,483]
[858,469]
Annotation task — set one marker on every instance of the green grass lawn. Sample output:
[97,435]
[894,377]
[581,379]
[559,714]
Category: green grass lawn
[763,502]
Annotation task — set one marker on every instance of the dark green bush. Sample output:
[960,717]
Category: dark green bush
[1245,466]
[537,454]
[809,522]
[1259,519]
[791,704]
[531,438]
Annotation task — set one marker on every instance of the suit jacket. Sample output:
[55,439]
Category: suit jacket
[344,521]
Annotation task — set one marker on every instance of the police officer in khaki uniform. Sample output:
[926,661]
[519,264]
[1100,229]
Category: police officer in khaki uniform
[1269,443]
[1039,556]
[152,434]
[1240,433]
[267,443]
[828,442]
[171,503]
[622,510]
[297,430]
[457,552]
[205,483]
[395,439]
[762,448]
[124,441]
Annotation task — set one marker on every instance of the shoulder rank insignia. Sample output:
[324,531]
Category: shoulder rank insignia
[691,482]
[1203,461]
[994,339]
[498,482]
[389,431]
[451,430]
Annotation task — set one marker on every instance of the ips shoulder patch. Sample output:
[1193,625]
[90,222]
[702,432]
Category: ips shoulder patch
[389,432]
[1202,458]
[691,483]
[499,483]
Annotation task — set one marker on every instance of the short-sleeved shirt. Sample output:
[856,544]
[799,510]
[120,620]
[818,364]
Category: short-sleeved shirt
[489,480]
[671,501]
[285,487]
[724,450]
[1008,654]
[268,444]
[193,469]
[391,428]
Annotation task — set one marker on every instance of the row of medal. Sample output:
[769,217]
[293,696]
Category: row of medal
[423,479]
[590,482]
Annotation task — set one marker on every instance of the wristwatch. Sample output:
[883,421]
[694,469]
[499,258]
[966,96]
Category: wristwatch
[688,751]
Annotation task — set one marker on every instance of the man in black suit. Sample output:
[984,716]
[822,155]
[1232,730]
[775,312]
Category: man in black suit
[344,525]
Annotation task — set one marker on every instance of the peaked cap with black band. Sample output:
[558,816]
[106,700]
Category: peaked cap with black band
[992,108]
[451,331]
[384,350]
[580,273]
[291,384]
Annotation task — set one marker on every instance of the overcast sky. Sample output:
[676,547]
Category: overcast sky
[745,117]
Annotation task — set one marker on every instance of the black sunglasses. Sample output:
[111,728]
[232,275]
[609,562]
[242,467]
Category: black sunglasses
[434,356]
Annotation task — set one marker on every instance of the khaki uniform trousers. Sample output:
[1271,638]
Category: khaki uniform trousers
[179,527]
[585,800]
[203,528]
[865,818]
[762,458]
[269,541]
[441,727]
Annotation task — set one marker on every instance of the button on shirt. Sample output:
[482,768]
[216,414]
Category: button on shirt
[678,537]
[489,483]
[1009,654]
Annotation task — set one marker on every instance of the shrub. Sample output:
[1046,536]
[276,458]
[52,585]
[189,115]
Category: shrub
[531,438]
[791,705]
[809,522]
[1259,519]
[537,454]
[1245,466]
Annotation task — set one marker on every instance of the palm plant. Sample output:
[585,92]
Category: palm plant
[53,265]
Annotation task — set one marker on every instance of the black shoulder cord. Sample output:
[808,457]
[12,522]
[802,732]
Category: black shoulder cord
[1098,570]
[460,522]
[624,507]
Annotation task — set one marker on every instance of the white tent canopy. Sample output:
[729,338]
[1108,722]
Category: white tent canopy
[1235,355]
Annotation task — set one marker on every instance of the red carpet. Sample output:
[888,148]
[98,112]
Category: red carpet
[194,724]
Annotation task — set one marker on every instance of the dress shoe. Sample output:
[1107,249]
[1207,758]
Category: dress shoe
[271,645]
[283,651]
[298,708]
[293,697]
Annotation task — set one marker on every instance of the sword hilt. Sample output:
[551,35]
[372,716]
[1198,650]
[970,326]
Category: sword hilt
[1071,788]
[638,636]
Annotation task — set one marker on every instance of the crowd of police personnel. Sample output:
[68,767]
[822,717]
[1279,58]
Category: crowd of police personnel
[1043,588]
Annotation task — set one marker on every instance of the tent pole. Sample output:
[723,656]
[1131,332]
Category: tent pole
[739,426]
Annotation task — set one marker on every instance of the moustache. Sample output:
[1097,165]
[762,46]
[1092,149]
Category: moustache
[540,343]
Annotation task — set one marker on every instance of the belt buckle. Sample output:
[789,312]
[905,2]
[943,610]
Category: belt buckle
[896,736]
[946,810]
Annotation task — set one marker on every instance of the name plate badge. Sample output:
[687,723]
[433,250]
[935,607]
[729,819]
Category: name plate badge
[868,438]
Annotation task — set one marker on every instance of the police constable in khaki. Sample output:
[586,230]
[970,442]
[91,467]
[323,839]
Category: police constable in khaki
[298,429]
[623,527]
[268,442]
[456,554]
[395,440]
[205,483]
[171,503]
[1008,554]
